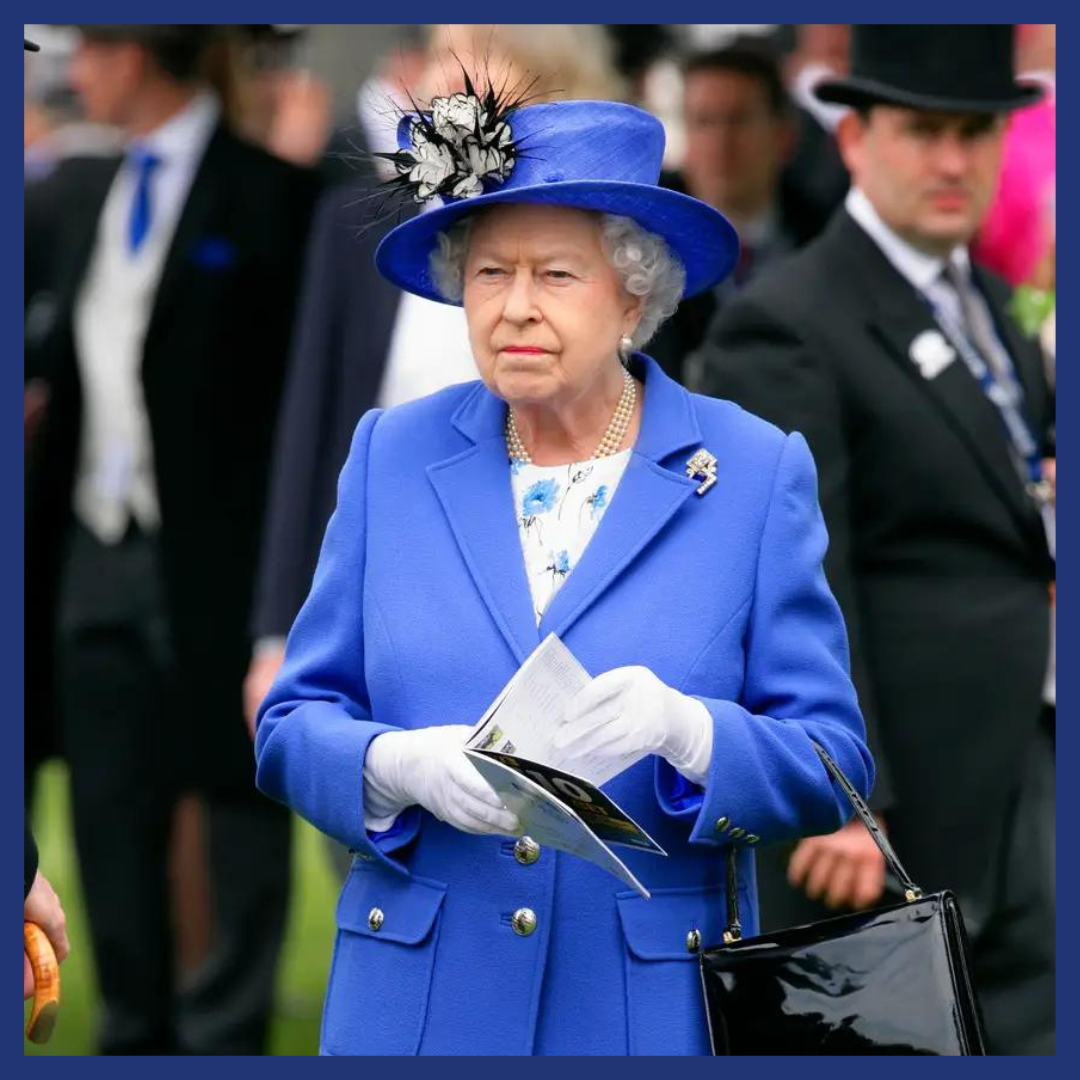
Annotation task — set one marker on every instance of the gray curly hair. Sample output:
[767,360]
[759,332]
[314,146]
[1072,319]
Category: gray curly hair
[643,261]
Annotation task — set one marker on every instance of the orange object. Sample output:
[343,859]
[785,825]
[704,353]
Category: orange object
[46,970]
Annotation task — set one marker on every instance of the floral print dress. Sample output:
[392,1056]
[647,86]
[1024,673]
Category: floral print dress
[558,509]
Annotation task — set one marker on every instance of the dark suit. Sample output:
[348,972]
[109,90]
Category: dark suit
[153,632]
[344,327]
[684,331]
[939,560]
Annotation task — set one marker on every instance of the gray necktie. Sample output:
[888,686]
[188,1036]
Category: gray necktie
[979,329]
[978,324]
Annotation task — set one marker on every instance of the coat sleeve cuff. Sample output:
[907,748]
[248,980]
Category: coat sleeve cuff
[313,760]
[742,800]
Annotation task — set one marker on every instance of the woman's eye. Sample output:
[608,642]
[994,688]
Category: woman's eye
[489,271]
[560,275]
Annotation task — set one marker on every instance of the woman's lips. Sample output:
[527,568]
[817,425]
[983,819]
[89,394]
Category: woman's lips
[524,350]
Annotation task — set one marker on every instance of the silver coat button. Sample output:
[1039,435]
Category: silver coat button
[693,941]
[526,851]
[523,921]
[375,918]
[722,824]
[737,833]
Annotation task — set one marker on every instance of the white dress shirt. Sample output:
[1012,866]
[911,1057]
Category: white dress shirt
[429,350]
[922,270]
[115,474]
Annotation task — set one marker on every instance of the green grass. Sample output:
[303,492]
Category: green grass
[305,962]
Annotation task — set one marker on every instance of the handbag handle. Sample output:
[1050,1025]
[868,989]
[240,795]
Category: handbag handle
[911,890]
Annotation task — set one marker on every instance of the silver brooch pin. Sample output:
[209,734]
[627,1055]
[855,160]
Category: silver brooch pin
[702,464]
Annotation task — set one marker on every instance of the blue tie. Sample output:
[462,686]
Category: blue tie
[144,163]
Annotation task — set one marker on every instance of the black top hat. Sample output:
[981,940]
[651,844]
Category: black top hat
[29,46]
[947,68]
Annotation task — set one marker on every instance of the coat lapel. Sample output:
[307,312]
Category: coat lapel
[476,495]
[897,317]
[200,211]
[647,497]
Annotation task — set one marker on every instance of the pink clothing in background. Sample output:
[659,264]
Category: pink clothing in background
[1019,227]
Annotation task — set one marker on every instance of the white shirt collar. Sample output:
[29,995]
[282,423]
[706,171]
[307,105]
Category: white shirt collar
[921,269]
[184,137]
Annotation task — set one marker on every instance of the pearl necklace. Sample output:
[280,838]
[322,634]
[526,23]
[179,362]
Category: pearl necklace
[613,437]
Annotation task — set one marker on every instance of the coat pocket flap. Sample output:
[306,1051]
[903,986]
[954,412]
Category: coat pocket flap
[380,904]
[658,929]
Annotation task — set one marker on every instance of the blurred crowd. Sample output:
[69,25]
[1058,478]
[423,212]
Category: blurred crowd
[205,327]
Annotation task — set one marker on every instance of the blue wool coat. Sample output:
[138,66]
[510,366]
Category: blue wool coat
[420,611]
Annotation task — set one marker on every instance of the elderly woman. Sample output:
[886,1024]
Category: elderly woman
[674,543]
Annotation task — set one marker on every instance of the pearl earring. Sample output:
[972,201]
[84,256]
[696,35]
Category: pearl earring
[626,347]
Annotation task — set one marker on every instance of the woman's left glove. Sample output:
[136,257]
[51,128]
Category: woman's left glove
[628,713]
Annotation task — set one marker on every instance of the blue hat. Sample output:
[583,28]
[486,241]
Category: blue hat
[592,155]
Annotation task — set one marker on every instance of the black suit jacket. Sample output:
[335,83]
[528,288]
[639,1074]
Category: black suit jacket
[342,341]
[937,556]
[213,368]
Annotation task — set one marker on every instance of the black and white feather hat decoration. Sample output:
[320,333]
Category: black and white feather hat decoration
[459,148]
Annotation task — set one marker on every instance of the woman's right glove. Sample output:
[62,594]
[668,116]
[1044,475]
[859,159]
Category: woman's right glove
[428,767]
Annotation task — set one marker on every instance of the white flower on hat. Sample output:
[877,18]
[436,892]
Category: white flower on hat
[483,161]
[434,166]
[458,116]
[467,187]
[499,136]
[462,143]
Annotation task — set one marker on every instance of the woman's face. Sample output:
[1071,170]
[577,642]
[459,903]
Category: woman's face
[544,305]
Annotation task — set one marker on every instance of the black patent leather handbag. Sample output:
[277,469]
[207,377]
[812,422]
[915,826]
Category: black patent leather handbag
[894,980]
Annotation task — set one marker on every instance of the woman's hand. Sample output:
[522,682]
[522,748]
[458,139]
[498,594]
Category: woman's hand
[428,767]
[627,713]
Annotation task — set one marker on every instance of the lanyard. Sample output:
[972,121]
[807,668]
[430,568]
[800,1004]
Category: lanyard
[1005,395]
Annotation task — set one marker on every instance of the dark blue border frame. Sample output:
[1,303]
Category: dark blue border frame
[11,651]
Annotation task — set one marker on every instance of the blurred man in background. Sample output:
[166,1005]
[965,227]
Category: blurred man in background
[282,105]
[927,412]
[54,127]
[164,361]
[739,133]
[816,171]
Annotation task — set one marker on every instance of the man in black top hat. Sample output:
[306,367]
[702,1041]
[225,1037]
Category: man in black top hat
[928,416]
[166,357]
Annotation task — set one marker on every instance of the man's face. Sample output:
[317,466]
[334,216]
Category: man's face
[106,75]
[930,175]
[736,145]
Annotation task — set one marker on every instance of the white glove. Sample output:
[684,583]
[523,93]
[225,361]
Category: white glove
[428,767]
[628,713]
